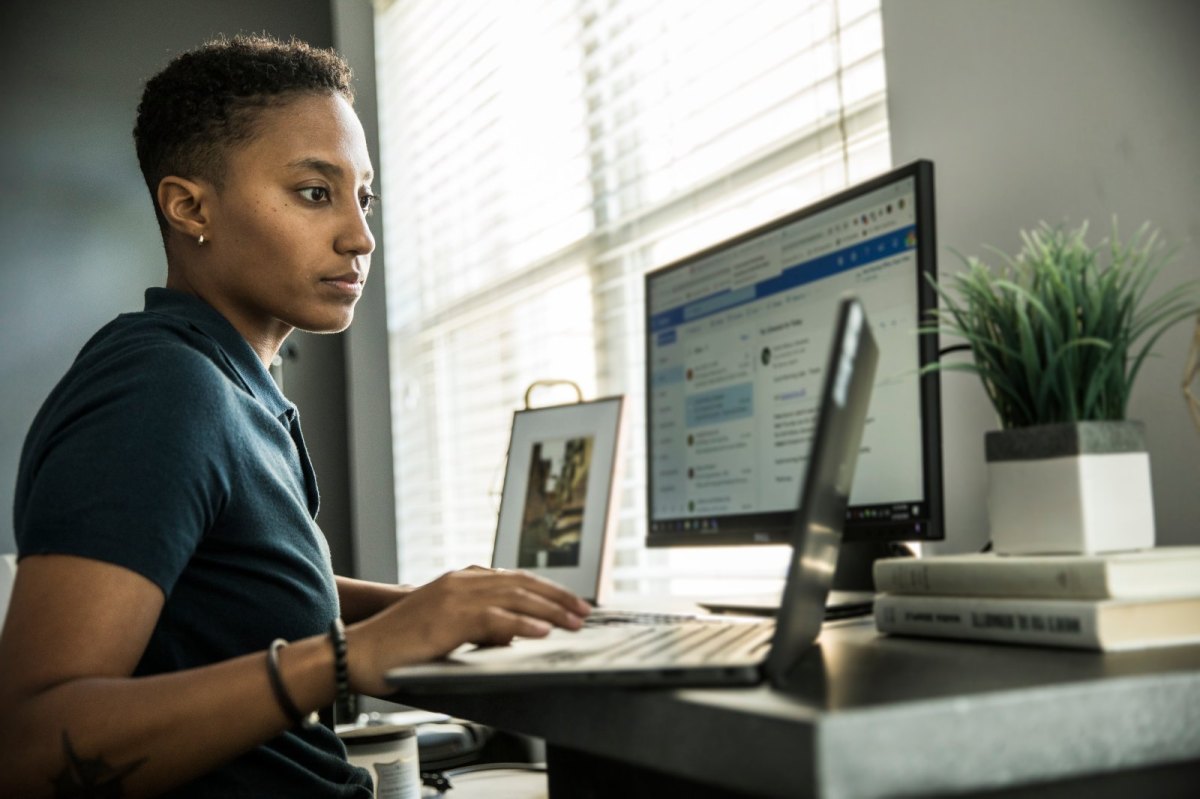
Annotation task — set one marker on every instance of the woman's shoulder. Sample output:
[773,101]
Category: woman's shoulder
[153,346]
[148,364]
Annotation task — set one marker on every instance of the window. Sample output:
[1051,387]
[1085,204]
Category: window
[538,157]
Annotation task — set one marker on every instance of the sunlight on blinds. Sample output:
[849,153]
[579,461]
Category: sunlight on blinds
[538,157]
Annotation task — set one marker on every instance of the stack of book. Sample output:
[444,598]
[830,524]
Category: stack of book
[1109,602]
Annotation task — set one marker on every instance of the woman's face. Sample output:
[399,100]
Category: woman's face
[287,242]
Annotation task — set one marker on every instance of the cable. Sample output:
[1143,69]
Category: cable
[440,780]
[458,772]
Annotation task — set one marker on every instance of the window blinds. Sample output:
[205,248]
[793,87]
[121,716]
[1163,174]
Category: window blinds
[538,157]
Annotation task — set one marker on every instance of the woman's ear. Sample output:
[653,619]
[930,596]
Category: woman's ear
[184,205]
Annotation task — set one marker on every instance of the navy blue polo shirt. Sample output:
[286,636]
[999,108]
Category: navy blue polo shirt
[168,449]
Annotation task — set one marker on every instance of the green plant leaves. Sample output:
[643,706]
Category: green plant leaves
[1053,332]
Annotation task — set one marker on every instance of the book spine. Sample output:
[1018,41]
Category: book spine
[1084,580]
[1043,622]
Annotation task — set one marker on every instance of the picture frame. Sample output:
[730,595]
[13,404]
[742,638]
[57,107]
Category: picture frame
[557,505]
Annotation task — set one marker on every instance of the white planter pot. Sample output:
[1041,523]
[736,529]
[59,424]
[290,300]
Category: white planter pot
[1070,488]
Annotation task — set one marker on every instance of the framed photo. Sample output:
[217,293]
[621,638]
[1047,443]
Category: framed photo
[557,503]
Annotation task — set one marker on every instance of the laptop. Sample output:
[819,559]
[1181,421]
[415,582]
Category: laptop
[706,650]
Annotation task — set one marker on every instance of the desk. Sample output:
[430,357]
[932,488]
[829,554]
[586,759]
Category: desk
[873,716]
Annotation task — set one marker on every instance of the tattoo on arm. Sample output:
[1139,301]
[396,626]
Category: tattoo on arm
[91,778]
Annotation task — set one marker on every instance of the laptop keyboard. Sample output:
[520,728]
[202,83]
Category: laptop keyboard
[603,616]
[686,641]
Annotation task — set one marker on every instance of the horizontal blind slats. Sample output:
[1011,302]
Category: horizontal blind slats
[538,157]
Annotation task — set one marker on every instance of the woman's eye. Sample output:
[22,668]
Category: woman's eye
[367,201]
[315,194]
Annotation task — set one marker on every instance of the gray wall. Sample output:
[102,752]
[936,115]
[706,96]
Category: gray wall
[79,239]
[1056,110]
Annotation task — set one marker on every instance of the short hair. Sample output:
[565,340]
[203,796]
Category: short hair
[207,100]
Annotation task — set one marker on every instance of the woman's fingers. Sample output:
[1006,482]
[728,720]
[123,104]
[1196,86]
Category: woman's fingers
[551,592]
[521,600]
[502,626]
[521,592]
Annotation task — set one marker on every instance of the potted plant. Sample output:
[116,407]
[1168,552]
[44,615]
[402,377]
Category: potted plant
[1058,335]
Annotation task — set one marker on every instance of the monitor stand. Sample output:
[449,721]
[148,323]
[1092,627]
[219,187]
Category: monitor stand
[852,593]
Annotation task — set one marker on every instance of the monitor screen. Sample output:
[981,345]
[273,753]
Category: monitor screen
[736,338]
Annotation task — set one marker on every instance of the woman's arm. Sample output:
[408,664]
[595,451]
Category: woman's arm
[76,630]
[362,598]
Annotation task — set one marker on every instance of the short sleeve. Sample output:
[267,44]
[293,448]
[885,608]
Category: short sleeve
[128,461]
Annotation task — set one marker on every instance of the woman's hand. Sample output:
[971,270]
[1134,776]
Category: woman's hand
[475,605]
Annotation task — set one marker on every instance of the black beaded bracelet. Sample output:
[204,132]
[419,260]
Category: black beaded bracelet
[337,635]
[290,710]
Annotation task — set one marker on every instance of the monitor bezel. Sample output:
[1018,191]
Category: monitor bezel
[775,527]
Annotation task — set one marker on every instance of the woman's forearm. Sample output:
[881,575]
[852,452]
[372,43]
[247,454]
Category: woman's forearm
[362,598]
[148,734]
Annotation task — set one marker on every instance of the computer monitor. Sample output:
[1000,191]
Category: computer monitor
[736,338]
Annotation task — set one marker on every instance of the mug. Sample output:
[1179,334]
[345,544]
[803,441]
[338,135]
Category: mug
[389,752]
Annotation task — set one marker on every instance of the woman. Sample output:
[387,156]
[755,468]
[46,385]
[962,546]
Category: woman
[165,500]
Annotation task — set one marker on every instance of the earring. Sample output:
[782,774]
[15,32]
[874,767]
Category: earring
[200,241]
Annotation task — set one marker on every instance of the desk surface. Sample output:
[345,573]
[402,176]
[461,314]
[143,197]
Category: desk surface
[872,715]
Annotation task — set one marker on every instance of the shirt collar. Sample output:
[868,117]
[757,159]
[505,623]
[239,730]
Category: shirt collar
[238,353]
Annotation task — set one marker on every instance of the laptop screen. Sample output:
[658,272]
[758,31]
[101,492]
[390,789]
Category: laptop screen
[819,521]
